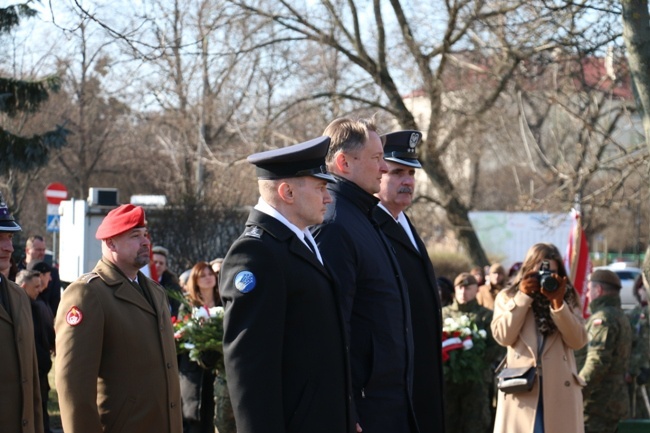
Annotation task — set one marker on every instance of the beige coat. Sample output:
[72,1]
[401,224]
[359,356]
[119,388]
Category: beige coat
[18,368]
[514,326]
[116,368]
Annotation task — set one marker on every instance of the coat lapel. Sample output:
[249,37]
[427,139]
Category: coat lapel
[278,230]
[393,230]
[126,292]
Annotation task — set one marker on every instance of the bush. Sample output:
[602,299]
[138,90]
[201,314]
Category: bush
[449,264]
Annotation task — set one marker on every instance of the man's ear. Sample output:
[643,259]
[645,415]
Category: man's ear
[110,244]
[341,162]
[286,193]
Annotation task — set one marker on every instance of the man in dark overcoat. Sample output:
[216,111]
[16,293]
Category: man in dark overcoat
[284,341]
[374,296]
[116,368]
[20,396]
[395,195]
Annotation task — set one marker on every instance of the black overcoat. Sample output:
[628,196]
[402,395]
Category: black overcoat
[427,322]
[284,344]
[375,308]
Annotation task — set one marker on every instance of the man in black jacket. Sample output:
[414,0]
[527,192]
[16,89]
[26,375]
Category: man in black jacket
[395,195]
[284,341]
[374,295]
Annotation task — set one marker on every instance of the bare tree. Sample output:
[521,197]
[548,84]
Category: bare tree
[461,55]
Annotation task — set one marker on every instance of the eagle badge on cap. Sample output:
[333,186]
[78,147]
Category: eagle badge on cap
[74,316]
[245,281]
[413,141]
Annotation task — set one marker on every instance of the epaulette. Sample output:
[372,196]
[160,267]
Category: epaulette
[87,278]
[253,232]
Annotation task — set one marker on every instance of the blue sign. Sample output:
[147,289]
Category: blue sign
[53,223]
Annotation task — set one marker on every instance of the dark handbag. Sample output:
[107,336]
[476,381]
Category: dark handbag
[515,380]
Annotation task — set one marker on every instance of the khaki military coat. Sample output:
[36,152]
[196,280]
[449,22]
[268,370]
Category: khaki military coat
[116,368]
[513,326]
[20,395]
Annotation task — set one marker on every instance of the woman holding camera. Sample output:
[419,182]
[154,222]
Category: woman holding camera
[539,320]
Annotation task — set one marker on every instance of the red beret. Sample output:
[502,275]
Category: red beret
[119,220]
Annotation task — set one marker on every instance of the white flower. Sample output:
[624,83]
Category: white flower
[450,322]
[465,332]
[216,312]
[200,313]
[468,344]
[464,321]
[482,333]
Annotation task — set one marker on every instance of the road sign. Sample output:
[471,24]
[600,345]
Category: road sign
[53,223]
[55,193]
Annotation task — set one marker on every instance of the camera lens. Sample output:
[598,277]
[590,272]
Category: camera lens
[549,283]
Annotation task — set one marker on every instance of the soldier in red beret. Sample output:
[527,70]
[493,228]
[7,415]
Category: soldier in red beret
[116,366]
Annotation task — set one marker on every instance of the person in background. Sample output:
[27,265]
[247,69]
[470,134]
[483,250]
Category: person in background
[284,339]
[182,280]
[496,281]
[216,265]
[33,284]
[166,278]
[541,328]
[446,291]
[603,363]
[197,379]
[479,274]
[639,367]
[35,249]
[395,195]
[457,403]
[116,368]
[20,395]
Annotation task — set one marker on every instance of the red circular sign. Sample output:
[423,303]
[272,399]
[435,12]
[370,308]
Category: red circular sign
[55,193]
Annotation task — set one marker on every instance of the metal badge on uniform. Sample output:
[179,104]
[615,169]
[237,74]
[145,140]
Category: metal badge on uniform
[74,316]
[245,281]
[253,232]
[413,141]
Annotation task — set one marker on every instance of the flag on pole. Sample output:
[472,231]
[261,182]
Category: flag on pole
[577,261]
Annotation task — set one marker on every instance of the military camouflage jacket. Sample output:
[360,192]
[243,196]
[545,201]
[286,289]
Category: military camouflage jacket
[640,355]
[604,361]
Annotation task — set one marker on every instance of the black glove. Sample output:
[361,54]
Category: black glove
[643,376]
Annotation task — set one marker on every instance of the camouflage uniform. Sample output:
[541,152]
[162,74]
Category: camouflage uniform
[471,397]
[603,364]
[639,358]
[224,417]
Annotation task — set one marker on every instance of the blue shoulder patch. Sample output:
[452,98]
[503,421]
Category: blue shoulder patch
[245,281]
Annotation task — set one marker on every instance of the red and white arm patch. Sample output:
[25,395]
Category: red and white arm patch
[74,316]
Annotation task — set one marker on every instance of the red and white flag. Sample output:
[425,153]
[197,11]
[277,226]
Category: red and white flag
[577,261]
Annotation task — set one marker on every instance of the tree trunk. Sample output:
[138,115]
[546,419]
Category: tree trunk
[457,212]
[636,33]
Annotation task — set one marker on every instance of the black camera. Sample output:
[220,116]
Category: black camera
[546,280]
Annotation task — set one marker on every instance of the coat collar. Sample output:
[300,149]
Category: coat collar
[358,197]
[284,234]
[123,287]
[395,231]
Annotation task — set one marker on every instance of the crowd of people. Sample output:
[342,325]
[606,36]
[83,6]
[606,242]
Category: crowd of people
[333,320]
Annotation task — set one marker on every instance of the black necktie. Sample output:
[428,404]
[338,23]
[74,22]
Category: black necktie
[309,245]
